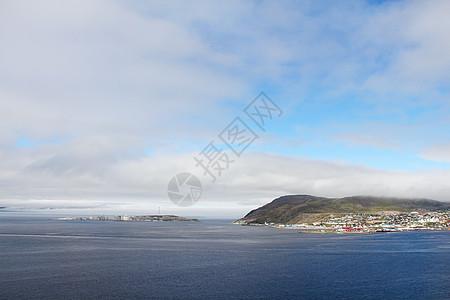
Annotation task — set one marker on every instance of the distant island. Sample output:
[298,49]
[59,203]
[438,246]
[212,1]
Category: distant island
[357,214]
[144,218]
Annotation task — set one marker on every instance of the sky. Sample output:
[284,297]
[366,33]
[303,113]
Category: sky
[103,102]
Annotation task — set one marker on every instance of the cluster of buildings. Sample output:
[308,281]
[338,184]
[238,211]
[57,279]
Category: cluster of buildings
[367,223]
[147,218]
[98,218]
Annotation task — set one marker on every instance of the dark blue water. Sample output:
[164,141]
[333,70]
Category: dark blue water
[47,259]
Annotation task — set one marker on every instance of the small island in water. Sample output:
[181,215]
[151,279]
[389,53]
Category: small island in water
[144,218]
[357,214]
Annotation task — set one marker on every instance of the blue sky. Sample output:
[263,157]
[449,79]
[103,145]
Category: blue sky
[104,101]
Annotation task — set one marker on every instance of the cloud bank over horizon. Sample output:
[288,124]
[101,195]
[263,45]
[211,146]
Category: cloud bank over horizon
[102,102]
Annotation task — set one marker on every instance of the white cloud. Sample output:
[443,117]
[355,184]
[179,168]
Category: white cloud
[253,180]
[110,80]
[439,153]
[416,33]
[78,68]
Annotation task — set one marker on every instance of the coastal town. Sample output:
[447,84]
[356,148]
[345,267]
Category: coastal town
[369,223]
[126,218]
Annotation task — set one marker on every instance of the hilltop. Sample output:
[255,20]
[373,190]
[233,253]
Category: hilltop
[294,209]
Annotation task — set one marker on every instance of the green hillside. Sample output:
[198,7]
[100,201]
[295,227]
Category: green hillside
[304,208]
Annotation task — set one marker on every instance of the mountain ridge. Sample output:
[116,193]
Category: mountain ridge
[301,208]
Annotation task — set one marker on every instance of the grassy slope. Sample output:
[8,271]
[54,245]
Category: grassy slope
[304,208]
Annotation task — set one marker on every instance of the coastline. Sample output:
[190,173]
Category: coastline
[126,218]
[342,230]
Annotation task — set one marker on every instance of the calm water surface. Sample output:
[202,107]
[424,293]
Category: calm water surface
[44,259]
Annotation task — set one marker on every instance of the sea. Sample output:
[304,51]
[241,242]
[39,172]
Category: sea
[214,259]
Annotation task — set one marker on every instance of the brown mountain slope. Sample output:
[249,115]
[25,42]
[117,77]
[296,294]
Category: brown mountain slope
[303,208]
